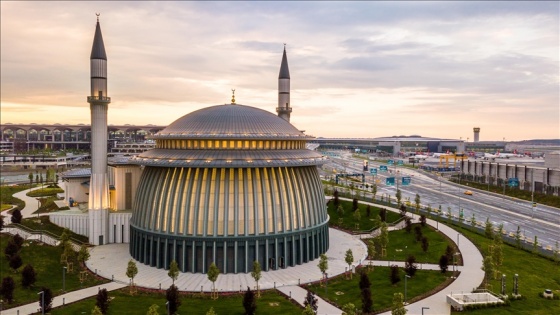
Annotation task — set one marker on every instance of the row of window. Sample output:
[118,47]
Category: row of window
[231,144]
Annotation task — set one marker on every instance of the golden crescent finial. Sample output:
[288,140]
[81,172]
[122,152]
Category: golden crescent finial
[233,96]
[98,14]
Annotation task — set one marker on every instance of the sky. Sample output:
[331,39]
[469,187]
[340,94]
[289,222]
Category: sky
[358,69]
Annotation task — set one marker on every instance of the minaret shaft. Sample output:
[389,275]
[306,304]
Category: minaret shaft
[99,183]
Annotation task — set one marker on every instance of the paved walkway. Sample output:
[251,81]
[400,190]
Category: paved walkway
[31,205]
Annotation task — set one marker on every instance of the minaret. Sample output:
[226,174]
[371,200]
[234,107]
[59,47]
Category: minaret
[284,108]
[99,103]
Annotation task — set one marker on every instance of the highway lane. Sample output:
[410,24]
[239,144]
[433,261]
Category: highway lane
[542,221]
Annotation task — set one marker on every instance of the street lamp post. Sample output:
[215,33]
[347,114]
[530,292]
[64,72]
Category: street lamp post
[167,306]
[405,287]
[42,302]
[424,308]
[64,279]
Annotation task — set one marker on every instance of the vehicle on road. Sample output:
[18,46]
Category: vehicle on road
[468,192]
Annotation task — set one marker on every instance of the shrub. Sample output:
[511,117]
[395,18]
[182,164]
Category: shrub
[7,289]
[102,301]
[28,276]
[249,302]
[47,298]
[16,216]
[443,263]
[15,262]
[311,301]
[172,296]
[410,266]
[394,275]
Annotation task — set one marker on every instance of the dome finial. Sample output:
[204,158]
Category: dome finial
[233,96]
[98,14]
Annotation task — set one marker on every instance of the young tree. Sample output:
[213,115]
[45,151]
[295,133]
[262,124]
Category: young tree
[28,276]
[102,300]
[429,209]
[213,273]
[371,249]
[7,289]
[173,272]
[535,245]
[211,311]
[340,211]
[153,310]
[349,259]
[500,229]
[449,252]
[417,203]
[449,215]
[16,216]
[398,305]
[410,266]
[418,232]
[368,211]
[394,275]
[518,237]
[249,302]
[357,215]
[15,262]
[403,210]
[323,264]
[131,272]
[367,301]
[311,301]
[497,252]
[83,255]
[489,229]
[407,225]
[556,252]
[383,214]
[96,311]
[384,238]
[354,204]
[308,311]
[30,179]
[374,190]
[256,274]
[443,263]
[47,298]
[336,201]
[425,244]
[398,195]
[489,268]
[349,309]
[172,296]
[473,220]
[18,240]
[423,220]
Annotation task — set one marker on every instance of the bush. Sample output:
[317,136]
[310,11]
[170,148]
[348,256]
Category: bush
[15,262]
[311,301]
[367,302]
[28,276]
[443,263]
[410,266]
[249,302]
[16,216]
[394,275]
[172,296]
[11,249]
[102,301]
[7,289]
[46,297]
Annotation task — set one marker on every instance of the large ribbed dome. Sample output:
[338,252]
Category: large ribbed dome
[231,121]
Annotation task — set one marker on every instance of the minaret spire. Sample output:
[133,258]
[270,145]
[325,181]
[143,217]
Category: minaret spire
[99,102]
[284,108]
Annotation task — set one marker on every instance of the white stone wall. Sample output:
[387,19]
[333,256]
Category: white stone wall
[117,174]
[119,225]
[74,188]
[75,222]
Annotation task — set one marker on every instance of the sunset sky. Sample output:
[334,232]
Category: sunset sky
[358,69]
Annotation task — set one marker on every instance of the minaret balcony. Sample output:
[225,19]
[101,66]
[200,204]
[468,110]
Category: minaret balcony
[99,99]
[283,109]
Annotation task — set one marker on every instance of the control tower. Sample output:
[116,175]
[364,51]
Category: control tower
[476,133]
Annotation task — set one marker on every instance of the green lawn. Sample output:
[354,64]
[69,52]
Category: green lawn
[342,291]
[535,274]
[123,303]
[402,244]
[46,225]
[4,207]
[45,191]
[366,223]
[6,194]
[46,262]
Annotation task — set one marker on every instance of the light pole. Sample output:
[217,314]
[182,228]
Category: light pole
[405,287]
[424,308]
[64,279]
[167,306]
[42,302]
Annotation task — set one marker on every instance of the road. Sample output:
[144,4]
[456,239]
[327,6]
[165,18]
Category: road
[542,221]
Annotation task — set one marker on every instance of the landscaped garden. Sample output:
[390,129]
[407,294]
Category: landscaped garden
[270,302]
[341,290]
[347,219]
[46,262]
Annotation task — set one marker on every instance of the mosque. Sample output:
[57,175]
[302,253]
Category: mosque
[228,184]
